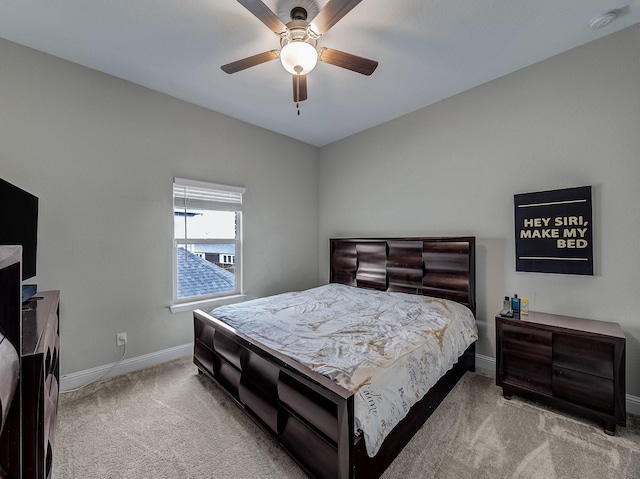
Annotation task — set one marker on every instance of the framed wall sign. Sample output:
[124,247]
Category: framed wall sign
[554,231]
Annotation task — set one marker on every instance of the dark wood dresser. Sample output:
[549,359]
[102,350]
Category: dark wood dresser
[40,374]
[574,364]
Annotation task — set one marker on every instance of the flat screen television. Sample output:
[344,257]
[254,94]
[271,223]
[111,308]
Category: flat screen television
[19,224]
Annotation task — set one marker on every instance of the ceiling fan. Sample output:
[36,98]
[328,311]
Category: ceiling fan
[299,51]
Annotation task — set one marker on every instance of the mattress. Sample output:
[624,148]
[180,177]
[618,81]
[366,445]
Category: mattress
[387,348]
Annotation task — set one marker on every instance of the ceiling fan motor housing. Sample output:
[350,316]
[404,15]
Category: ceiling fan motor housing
[298,31]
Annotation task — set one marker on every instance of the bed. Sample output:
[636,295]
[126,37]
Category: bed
[310,415]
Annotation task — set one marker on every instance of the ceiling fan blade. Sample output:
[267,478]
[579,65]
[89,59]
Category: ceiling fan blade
[299,88]
[265,15]
[347,60]
[331,13]
[251,61]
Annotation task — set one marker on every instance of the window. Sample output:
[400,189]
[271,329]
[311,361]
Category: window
[207,241]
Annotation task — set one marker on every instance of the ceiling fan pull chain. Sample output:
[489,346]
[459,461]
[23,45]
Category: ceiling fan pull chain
[298,107]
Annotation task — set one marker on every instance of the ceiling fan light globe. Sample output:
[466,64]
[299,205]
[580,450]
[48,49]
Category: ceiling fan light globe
[298,57]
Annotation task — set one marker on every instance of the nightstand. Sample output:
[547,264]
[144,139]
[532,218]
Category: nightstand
[574,364]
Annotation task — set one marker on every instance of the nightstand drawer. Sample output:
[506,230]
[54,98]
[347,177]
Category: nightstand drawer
[586,389]
[582,354]
[526,343]
[531,375]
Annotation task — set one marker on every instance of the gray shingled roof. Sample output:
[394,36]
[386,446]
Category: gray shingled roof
[197,276]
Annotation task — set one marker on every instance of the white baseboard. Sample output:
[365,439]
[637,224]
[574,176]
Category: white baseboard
[633,405]
[485,362]
[489,363]
[80,378]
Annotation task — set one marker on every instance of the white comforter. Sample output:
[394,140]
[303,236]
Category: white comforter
[388,348]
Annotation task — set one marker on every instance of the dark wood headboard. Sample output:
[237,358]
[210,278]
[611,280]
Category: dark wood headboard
[440,267]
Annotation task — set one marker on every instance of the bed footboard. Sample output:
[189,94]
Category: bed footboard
[300,409]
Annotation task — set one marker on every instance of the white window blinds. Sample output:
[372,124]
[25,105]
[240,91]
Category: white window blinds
[200,195]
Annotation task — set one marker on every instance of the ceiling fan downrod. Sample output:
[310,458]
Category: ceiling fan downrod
[298,13]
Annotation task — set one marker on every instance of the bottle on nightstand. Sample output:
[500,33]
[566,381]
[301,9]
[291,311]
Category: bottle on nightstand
[515,305]
[506,307]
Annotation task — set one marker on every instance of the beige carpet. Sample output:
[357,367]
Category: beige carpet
[169,422]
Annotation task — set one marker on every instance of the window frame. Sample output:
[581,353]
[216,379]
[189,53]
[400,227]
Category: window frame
[223,204]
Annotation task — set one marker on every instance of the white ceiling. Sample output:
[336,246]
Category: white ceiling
[428,50]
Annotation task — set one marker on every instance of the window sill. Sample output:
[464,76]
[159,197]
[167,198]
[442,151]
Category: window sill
[207,304]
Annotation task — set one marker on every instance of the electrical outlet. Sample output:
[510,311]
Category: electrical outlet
[121,339]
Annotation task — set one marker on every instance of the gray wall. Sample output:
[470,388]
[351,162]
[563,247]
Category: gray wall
[452,169]
[101,154]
